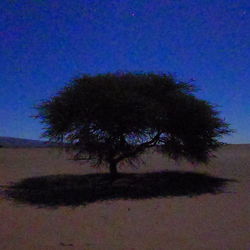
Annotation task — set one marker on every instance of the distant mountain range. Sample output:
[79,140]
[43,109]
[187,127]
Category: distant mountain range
[11,142]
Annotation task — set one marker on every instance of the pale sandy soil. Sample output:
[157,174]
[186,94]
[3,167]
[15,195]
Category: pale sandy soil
[216,222]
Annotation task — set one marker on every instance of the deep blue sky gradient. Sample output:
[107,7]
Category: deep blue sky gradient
[45,43]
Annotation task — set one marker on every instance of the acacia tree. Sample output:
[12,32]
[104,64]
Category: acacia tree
[110,118]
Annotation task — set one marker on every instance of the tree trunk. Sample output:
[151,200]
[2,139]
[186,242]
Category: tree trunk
[113,170]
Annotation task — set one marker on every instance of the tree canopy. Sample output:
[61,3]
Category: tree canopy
[115,117]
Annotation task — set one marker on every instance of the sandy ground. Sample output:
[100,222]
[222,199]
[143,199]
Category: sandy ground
[201,222]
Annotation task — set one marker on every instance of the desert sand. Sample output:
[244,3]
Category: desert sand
[207,221]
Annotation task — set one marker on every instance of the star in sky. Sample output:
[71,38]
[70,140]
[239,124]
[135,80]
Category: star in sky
[243,13]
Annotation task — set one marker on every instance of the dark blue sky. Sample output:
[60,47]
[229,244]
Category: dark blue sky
[45,43]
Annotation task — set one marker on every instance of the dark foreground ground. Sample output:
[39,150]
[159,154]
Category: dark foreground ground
[50,202]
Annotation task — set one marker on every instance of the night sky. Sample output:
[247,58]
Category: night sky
[45,43]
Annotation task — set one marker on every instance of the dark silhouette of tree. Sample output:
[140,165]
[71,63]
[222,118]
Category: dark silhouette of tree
[109,118]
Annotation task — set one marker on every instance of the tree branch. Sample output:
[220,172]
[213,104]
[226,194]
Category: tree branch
[140,148]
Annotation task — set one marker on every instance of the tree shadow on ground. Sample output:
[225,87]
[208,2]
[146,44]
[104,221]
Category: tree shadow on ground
[75,190]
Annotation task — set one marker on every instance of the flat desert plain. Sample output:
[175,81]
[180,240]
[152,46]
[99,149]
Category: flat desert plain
[195,220]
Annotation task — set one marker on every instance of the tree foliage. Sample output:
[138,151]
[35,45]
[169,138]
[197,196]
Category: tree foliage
[114,117]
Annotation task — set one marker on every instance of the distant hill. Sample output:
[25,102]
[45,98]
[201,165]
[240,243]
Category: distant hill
[11,142]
